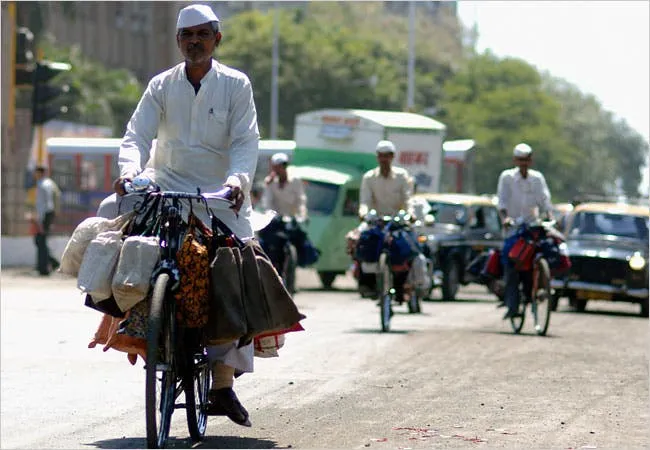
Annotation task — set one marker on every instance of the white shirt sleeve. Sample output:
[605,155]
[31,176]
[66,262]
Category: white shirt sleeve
[365,196]
[302,200]
[141,131]
[244,138]
[545,204]
[503,191]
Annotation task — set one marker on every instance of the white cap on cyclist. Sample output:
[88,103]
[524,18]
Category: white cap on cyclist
[385,147]
[522,151]
[279,158]
[193,15]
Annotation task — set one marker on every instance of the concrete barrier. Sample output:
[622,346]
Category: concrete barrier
[21,251]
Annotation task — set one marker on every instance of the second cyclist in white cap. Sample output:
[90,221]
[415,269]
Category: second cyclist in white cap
[523,195]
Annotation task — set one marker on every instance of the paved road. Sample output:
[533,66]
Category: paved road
[452,377]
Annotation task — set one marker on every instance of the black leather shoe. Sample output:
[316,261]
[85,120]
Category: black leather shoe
[224,402]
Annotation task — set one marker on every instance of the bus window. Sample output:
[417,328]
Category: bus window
[321,197]
[351,203]
[63,172]
[92,174]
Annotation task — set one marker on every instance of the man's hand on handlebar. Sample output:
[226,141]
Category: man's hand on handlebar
[118,185]
[508,222]
[237,196]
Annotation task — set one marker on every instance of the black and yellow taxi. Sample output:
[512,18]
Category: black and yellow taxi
[464,226]
[608,247]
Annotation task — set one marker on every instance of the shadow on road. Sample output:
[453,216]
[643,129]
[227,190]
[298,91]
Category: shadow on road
[524,333]
[208,442]
[322,289]
[377,331]
[463,300]
[601,312]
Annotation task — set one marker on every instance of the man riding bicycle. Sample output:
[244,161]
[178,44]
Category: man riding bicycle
[284,192]
[385,189]
[203,115]
[523,195]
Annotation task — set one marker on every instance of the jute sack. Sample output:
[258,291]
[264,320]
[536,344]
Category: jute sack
[226,317]
[267,303]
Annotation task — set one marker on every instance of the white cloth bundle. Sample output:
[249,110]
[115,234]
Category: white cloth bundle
[85,232]
[132,280]
[98,265]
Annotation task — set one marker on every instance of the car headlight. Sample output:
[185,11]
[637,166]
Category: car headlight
[637,262]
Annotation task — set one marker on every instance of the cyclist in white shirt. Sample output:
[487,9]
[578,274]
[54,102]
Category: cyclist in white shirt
[284,192]
[523,195]
[203,115]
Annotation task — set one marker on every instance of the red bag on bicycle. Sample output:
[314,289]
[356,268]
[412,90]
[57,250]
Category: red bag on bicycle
[521,254]
[493,265]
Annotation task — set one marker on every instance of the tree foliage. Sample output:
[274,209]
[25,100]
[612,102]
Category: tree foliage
[99,96]
[343,55]
[499,103]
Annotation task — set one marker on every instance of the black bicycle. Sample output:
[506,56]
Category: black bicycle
[535,282]
[176,360]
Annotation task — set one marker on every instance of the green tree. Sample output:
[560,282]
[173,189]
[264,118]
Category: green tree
[100,96]
[499,103]
[333,56]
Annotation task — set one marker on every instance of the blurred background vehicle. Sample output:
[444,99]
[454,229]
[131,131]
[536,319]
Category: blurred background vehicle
[608,247]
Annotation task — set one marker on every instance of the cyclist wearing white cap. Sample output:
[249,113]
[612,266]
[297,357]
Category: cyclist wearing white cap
[386,189]
[523,195]
[284,192]
[203,114]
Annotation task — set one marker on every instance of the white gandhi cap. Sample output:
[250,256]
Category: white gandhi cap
[279,158]
[385,147]
[522,151]
[193,15]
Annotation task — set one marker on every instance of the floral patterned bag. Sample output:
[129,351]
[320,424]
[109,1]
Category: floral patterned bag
[192,298]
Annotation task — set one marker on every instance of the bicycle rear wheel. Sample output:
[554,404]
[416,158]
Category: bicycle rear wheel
[384,285]
[161,374]
[196,382]
[542,304]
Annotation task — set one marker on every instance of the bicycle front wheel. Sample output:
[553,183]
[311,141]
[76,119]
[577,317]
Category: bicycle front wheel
[542,304]
[384,286]
[161,373]
[196,383]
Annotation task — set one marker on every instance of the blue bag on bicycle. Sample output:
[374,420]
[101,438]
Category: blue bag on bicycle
[369,245]
[307,254]
[402,247]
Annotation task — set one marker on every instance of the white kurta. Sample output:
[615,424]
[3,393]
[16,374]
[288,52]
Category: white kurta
[523,198]
[288,200]
[386,195]
[204,139]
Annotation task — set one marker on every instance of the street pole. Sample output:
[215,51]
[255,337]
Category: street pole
[410,90]
[12,76]
[274,75]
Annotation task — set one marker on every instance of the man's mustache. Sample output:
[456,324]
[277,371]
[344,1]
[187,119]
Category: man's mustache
[194,46]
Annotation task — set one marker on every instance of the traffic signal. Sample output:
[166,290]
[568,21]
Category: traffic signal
[24,57]
[48,100]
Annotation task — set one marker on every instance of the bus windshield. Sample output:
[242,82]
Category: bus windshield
[321,197]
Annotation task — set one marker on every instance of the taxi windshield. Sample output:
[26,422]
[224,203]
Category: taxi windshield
[621,225]
[448,212]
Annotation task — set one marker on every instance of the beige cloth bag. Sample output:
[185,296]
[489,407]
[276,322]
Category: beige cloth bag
[98,265]
[138,258]
[85,232]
